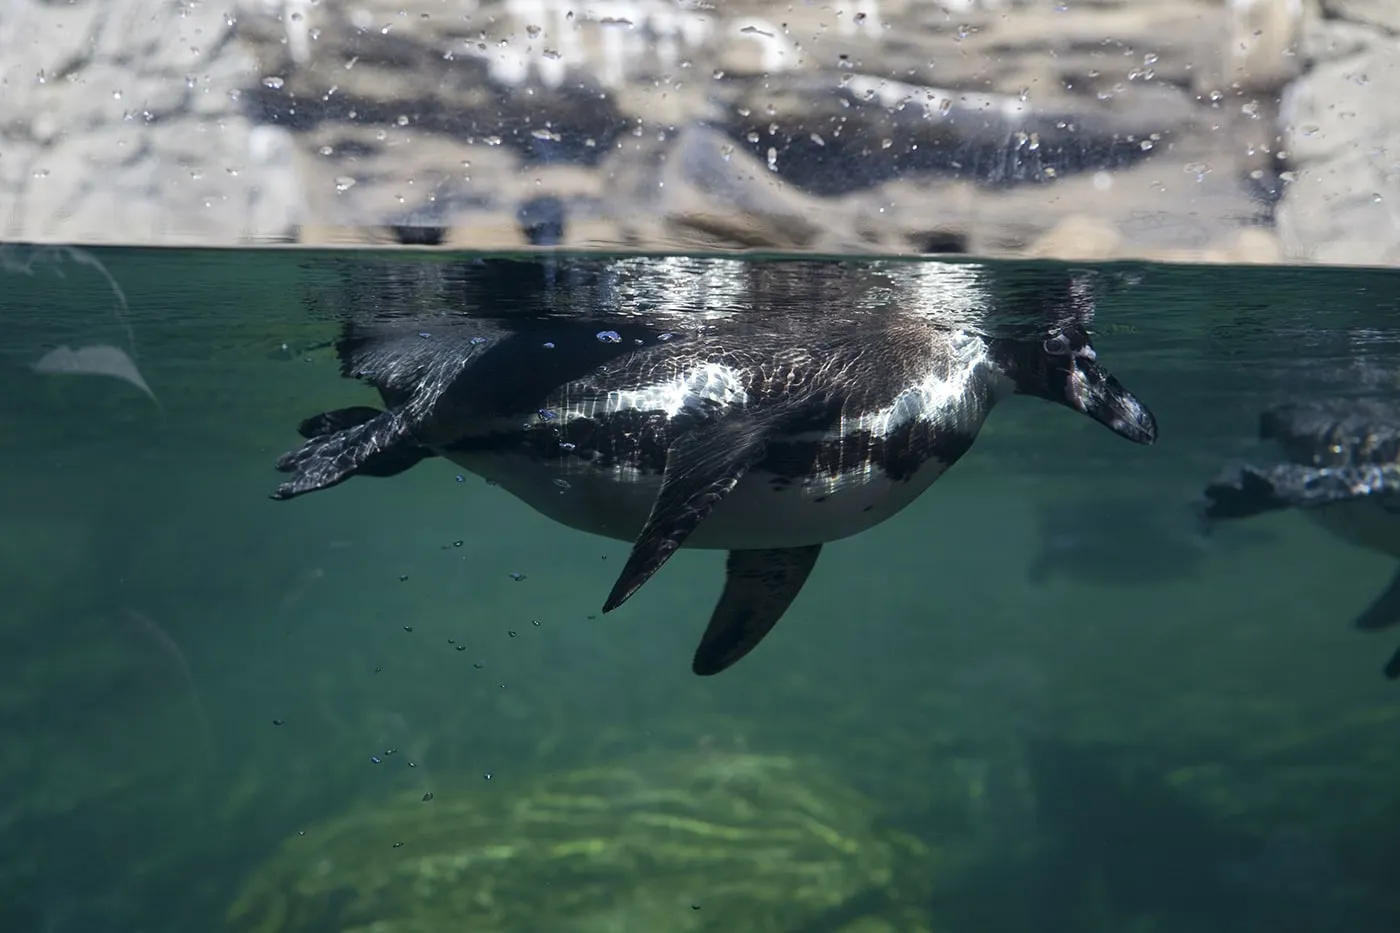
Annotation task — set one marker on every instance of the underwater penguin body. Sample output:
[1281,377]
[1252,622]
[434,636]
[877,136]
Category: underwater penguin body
[766,446]
[1342,470]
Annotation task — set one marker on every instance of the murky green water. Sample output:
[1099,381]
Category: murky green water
[1072,711]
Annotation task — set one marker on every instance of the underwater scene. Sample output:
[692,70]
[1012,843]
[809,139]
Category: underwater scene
[411,592]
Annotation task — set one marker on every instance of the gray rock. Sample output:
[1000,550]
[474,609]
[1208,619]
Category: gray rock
[1115,128]
[121,122]
[1343,202]
[1380,13]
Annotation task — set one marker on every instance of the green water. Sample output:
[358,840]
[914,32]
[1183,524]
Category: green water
[1145,731]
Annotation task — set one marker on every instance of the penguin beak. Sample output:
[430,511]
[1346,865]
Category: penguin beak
[1092,390]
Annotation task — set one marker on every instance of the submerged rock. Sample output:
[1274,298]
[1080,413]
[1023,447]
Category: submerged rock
[743,843]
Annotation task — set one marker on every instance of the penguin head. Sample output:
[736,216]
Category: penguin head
[1063,367]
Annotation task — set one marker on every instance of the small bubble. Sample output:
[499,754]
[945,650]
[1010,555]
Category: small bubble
[477,341]
[547,415]
[456,543]
[273,81]
[403,578]
[374,758]
[427,797]
[408,628]
[278,722]
[486,776]
[566,445]
[517,577]
[609,336]
[460,478]
[511,633]
[397,845]
[548,345]
[562,483]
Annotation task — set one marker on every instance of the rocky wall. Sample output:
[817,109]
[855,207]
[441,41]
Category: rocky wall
[1243,130]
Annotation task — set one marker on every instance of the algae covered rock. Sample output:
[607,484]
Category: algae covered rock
[743,843]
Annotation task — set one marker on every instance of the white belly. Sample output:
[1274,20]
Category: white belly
[754,515]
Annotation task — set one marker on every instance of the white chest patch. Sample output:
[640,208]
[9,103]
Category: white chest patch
[698,387]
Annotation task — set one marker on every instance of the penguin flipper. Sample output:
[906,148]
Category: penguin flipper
[702,467]
[379,446]
[759,586]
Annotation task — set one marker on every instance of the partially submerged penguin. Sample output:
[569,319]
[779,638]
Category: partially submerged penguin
[1342,469]
[766,440]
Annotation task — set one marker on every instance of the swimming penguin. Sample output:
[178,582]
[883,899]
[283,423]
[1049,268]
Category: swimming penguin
[1342,469]
[766,438]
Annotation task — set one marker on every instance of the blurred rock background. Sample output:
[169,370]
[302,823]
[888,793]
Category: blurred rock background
[1232,130]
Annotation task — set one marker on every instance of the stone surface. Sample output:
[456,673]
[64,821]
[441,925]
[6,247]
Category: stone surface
[1004,127]
[1343,140]
[120,121]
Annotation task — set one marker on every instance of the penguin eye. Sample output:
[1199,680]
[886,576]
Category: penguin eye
[1057,345]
